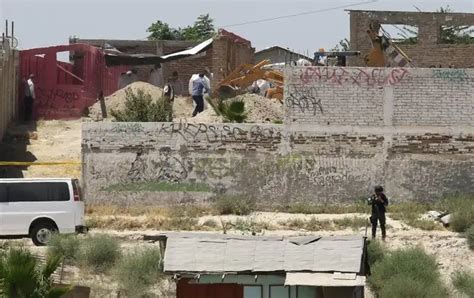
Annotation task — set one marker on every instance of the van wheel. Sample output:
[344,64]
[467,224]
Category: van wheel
[42,232]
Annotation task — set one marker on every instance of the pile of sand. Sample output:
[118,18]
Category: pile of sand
[259,109]
[116,101]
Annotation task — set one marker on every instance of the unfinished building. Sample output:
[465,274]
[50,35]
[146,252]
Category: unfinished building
[227,52]
[429,46]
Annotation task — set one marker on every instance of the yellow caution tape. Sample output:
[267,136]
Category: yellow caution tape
[38,163]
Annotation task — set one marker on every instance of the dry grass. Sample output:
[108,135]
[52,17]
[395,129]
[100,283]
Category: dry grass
[314,224]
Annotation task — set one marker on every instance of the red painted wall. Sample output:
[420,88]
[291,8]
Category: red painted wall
[188,290]
[64,90]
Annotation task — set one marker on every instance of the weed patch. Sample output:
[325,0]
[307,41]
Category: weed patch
[354,222]
[406,273]
[462,208]
[233,204]
[65,246]
[139,270]
[100,252]
[375,252]
[464,282]
[470,237]
[310,208]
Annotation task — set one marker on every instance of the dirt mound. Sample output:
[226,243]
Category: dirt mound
[116,101]
[261,109]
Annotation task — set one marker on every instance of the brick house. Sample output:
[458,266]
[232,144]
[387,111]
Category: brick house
[227,52]
[429,51]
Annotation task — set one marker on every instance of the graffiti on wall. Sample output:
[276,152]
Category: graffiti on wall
[213,133]
[50,100]
[304,98]
[167,168]
[128,128]
[371,77]
[451,75]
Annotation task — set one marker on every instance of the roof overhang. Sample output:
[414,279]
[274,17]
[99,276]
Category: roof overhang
[318,279]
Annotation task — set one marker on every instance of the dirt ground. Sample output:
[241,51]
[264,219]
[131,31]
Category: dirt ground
[449,248]
[60,141]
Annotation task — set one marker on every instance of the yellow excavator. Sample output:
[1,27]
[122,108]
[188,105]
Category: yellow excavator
[382,48]
[244,76]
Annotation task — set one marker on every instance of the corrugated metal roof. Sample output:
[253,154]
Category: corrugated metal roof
[188,252]
[318,279]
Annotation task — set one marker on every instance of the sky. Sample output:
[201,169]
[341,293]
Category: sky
[40,23]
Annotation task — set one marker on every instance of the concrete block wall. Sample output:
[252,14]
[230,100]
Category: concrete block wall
[429,51]
[363,96]
[346,130]
[9,84]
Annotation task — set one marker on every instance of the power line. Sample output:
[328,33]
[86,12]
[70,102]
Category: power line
[300,14]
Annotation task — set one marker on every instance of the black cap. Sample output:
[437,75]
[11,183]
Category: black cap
[378,188]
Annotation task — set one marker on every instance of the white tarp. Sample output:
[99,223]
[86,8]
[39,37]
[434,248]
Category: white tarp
[317,279]
[189,52]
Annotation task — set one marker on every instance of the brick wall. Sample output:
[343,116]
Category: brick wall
[361,96]
[228,52]
[345,131]
[429,50]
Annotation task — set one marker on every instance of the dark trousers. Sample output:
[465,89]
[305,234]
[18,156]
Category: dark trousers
[378,218]
[28,108]
[199,100]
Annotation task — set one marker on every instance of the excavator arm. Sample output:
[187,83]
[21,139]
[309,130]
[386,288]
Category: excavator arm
[244,76]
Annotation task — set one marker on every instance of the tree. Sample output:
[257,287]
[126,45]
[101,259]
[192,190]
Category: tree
[203,28]
[162,31]
[453,34]
[22,277]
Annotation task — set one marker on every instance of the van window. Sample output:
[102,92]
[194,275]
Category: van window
[3,193]
[38,191]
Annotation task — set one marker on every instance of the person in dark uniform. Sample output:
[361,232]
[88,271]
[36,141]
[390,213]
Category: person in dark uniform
[378,201]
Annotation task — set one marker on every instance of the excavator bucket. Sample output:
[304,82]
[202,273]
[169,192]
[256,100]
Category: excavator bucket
[226,91]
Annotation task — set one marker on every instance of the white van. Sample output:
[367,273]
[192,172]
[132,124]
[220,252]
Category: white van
[37,207]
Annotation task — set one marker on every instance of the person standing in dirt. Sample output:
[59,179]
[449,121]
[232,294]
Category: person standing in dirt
[199,85]
[29,97]
[378,201]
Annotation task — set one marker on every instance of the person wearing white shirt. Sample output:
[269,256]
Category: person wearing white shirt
[29,97]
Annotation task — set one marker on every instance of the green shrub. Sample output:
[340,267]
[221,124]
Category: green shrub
[411,265]
[138,271]
[405,286]
[375,252]
[100,252]
[233,204]
[140,107]
[470,237]
[22,276]
[462,208]
[230,110]
[464,282]
[65,246]
[461,220]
